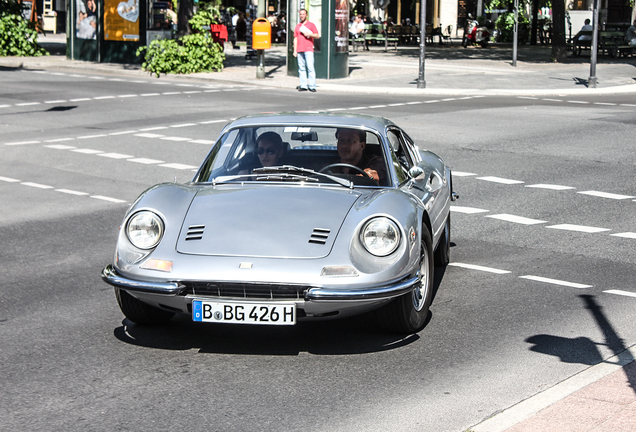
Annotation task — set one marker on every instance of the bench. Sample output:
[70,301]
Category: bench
[378,35]
[609,43]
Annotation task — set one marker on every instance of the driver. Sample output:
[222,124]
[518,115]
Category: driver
[351,144]
[270,149]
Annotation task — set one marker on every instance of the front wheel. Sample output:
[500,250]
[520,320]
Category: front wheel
[138,311]
[484,43]
[408,313]
[465,42]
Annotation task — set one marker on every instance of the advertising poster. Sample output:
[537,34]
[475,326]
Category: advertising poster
[121,20]
[342,26]
[86,19]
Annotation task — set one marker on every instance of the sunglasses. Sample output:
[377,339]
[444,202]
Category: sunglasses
[269,150]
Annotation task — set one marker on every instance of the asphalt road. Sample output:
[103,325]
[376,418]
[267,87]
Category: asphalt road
[544,238]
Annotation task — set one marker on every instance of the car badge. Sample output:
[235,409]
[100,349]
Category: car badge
[245,265]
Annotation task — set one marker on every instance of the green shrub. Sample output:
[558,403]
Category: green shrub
[18,37]
[190,54]
[505,25]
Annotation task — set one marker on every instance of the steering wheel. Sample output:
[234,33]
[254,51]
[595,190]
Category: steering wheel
[328,168]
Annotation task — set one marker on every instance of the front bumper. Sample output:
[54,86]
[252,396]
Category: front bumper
[382,292]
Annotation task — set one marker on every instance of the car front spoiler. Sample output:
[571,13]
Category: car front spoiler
[110,276]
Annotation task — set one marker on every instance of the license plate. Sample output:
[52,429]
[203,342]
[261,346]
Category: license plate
[244,313]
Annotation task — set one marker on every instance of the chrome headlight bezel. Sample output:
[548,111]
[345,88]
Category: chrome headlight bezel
[149,229]
[380,236]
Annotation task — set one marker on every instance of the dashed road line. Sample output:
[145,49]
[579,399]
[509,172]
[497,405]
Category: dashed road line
[516,219]
[578,228]
[115,155]
[556,282]
[9,179]
[550,186]
[462,174]
[629,235]
[621,292]
[500,180]
[61,190]
[606,195]
[479,268]
[36,185]
[467,210]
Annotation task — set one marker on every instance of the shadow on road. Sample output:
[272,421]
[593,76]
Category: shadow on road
[585,351]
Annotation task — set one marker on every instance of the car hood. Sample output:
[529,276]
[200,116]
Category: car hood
[275,222]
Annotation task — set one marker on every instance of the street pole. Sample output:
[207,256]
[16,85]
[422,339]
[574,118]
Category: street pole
[421,82]
[591,81]
[260,54]
[515,34]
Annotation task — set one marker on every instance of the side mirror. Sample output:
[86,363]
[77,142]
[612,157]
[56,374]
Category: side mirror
[416,171]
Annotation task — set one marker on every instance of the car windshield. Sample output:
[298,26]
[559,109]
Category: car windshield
[296,153]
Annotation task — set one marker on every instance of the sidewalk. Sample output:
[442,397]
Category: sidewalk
[448,70]
[600,398]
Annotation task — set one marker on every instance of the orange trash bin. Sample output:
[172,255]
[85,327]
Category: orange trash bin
[261,34]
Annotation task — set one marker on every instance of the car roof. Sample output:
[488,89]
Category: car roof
[314,118]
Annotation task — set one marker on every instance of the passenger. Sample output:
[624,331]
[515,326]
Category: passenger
[270,149]
[351,144]
[586,27]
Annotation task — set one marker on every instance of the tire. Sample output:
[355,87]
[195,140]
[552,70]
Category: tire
[138,311]
[408,313]
[484,43]
[442,253]
[465,42]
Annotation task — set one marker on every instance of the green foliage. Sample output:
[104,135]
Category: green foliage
[505,24]
[18,37]
[190,54]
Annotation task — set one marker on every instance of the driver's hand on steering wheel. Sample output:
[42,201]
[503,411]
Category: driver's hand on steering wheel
[373,174]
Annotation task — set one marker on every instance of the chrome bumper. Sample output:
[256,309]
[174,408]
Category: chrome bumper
[110,276]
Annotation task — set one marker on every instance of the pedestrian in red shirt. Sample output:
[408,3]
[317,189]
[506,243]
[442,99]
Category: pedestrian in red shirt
[304,35]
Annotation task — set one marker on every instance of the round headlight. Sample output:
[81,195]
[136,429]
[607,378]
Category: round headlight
[144,230]
[380,236]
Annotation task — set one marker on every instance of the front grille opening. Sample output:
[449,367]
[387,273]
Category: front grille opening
[246,290]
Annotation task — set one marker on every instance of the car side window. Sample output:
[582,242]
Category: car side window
[401,155]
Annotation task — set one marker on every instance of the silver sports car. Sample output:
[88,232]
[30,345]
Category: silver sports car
[290,217]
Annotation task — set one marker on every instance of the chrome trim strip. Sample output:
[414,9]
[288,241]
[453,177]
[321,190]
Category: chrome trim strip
[382,292]
[110,276]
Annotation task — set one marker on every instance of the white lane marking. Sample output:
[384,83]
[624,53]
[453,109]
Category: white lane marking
[359,108]
[115,155]
[127,96]
[28,104]
[629,105]
[432,101]
[396,104]
[103,97]
[59,147]
[552,100]
[550,186]
[122,133]
[579,228]
[192,92]
[145,161]
[467,210]
[621,292]
[629,235]
[414,103]
[178,166]
[606,195]
[462,174]
[54,101]
[87,151]
[59,140]
[211,91]
[71,192]
[578,102]
[5,106]
[213,121]
[149,135]
[175,138]
[377,106]
[448,99]
[183,125]
[335,109]
[149,94]
[185,85]
[22,143]
[556,282]
[604,103]
[479,268]
[104,198]
[92,136]
[9,179]
[527,97]
[37,185]
[153,128]
[208,142]
[79,100]
[170,93]
[517,219]
[499,180]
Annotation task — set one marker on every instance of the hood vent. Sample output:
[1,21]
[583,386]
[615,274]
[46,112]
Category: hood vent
[319,236]
[195,232]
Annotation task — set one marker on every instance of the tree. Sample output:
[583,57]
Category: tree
[559,47]
[185,14]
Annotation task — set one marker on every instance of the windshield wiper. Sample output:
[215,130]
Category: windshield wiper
[294,169]
[269,176]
